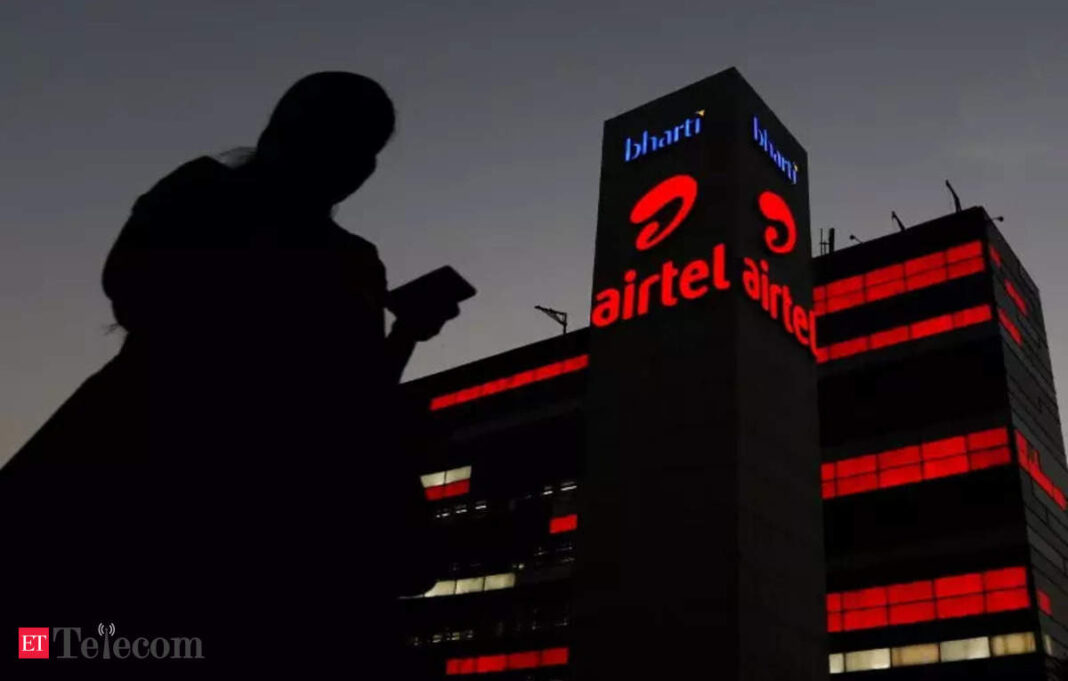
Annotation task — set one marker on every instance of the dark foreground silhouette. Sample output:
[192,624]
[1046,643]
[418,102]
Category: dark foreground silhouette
[243,470]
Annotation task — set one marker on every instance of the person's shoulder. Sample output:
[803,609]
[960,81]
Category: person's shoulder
[193,178]
[354,241]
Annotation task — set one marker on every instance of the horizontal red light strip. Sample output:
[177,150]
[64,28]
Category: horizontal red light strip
[1009,326]
[892,280]
[483,664]
[1016,297]
[975,593]
[512,382]
[1029,461]
[915,331]
[1044,603]
[452,489]
[916,463]
[995,256]
[566,523]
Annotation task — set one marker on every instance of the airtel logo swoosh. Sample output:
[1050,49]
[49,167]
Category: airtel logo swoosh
[773,207]
[682,188]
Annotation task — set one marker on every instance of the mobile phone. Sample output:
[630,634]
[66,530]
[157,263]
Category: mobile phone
[439,288]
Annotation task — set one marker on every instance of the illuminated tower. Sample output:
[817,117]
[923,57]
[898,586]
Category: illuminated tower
[640,499]
[944,469]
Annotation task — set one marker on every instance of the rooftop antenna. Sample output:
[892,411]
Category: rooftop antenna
[854,238]
[897,221]
[826,241]
[557,316]
[956,199]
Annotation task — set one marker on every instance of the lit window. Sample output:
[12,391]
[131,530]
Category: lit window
[965,649]
[862,660]
[469,585]
[837,663]
[502,581]
[906,656]
[433,479]
[455,474]
[1012,644]
[442,588]
[559,524]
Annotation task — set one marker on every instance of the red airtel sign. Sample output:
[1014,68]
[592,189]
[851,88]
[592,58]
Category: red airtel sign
[671,284]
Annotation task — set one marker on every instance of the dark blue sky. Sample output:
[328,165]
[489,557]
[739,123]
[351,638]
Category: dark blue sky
[494,167]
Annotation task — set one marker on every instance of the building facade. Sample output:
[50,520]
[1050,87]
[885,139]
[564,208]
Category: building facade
[943,471]
[700,483]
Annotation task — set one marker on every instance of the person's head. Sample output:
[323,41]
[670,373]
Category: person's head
[324,134]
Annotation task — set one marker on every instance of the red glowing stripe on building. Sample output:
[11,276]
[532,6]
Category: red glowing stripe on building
[512,382]
[976,593]
[1044,603]
[995,256]
[907,332]
[566,523]
[1029,461]
[892,280]
[1016,297]
[452,489]
[1010,327]
[916,463]
[483,664]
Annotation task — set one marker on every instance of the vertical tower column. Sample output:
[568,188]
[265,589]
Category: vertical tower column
[701,548]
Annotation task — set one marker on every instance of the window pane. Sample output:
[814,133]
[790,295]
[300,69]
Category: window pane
[469,585]
[457,474]
[837,663]
[442,588]
[1013,644]
[501,581]
[965,649]
[433,479]
[905,656]
[867,659]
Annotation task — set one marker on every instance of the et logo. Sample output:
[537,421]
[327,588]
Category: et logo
[673,283]
[33,643]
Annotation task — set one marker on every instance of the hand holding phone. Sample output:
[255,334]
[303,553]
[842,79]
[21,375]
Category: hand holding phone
[422,306]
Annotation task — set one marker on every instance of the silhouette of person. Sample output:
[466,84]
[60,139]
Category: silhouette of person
[249,434]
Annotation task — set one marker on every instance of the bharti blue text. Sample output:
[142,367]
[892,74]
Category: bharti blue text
[788,167]
[648,143]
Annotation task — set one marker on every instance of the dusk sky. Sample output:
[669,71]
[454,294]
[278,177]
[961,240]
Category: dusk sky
[494,166]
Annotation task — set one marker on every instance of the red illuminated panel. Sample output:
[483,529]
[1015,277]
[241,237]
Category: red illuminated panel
[1044,603]
[1010,327]
[554,657]
[1016,297]
[510,382]
[916,463]
[1029,461]
[995,256]
[1011,599]
[834,622]
[900,334]
[452,489]
[566,523]
[527,660]
[948,597]
[892,280]
[485,664]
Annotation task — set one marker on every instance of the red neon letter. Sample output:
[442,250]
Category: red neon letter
[679,187]
[774,208]
[692,274]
